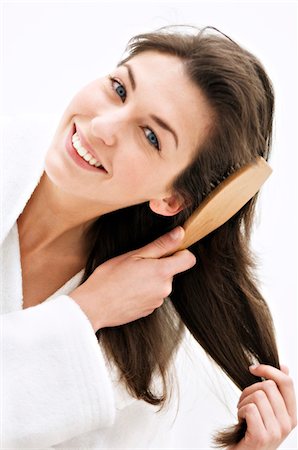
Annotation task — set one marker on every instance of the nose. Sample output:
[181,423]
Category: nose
[106,127]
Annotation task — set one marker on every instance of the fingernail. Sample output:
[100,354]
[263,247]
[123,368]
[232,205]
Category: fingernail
[253,366]
[176,233]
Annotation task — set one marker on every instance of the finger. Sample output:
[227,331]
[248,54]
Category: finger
[249,390]
[179,262]
[283,382]
[269,387]
[255,426]
[271,392]
[165,244]
[265,410]
[284,369]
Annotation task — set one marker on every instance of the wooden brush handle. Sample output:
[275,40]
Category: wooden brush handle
[225,200]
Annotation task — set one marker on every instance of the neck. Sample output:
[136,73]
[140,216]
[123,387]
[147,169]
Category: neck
[55,219]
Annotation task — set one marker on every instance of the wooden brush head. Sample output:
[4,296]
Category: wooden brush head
[225,200]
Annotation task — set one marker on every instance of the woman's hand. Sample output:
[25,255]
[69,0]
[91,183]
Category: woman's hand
[133,285]
[269,408]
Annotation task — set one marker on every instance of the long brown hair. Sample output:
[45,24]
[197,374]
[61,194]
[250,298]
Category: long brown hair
[218,300]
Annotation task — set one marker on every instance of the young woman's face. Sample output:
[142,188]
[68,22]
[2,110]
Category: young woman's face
[142,123]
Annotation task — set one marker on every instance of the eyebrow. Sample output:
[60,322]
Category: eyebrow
[157,120]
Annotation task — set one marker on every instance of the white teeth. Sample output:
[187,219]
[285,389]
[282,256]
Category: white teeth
[78,146]
[83,152]
[87,157]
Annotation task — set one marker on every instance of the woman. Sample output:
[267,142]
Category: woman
[134,154]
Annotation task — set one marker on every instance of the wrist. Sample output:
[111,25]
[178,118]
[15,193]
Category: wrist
[87,310]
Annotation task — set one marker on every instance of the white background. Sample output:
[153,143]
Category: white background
[51,49]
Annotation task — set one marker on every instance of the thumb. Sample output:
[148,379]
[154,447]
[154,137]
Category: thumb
[164,245]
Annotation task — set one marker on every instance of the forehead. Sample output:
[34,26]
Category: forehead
[167,91]
[151,64]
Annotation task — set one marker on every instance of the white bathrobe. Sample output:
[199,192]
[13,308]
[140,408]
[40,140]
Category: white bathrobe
[58,389]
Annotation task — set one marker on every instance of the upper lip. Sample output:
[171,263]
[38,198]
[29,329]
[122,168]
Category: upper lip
[85,144]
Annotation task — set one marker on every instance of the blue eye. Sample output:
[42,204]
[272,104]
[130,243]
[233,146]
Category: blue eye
[120,89]
[152,138]
[121,92]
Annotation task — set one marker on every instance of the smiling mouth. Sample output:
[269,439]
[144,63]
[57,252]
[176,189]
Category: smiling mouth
[85,154]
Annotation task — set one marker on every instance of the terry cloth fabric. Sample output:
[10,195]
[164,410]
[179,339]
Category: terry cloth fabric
[58,388]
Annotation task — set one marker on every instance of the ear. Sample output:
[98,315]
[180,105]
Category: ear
[167,206]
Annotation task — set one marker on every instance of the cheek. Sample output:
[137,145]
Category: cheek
[132,174]
[82,104]
[87,100]
[142,177]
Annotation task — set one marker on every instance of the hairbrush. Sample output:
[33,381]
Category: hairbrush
[225,200]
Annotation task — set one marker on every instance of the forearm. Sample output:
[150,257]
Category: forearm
[50,358]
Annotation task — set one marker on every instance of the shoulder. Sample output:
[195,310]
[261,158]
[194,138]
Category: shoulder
[24,143]
[21,132]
